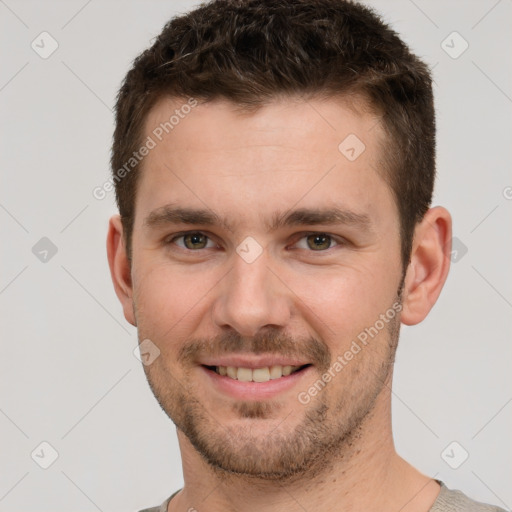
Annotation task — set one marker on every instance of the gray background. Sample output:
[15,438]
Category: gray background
[68,373]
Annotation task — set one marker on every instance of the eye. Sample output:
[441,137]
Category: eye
[196,240]
[193,240]
[316,241]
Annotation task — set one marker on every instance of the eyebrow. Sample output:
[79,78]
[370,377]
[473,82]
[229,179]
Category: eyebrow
[170,214]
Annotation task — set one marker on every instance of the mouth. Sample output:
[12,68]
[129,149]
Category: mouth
[249,379]
[262,374]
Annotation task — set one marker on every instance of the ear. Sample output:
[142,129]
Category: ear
[429,265]
[120,267]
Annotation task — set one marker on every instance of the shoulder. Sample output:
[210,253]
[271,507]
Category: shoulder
[455,501]
[163,507]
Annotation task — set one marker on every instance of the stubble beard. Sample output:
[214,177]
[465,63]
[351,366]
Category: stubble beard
[329,431]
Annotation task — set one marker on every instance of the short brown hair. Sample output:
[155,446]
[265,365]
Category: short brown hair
[251,51]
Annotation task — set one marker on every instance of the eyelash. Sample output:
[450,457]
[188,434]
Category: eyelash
[335,239]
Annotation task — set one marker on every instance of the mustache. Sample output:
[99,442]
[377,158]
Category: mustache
[268,341]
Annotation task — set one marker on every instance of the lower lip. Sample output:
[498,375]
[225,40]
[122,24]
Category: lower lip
[255,390]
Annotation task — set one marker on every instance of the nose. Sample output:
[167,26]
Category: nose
[251,297]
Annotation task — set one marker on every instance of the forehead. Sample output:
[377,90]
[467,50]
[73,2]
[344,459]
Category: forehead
[290,150]
[284,117]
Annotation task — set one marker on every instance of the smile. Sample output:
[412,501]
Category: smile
[255,381]
[263,374]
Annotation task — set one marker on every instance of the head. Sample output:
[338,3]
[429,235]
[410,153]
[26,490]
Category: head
[252,52]
[279,216]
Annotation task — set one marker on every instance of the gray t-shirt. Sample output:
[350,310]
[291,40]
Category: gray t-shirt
[447,501]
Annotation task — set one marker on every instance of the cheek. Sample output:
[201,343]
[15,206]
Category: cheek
[342,302]
[169,302]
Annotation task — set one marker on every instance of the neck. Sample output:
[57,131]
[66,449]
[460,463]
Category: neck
[366,474]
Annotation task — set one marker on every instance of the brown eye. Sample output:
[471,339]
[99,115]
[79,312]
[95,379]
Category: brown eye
[195,241]
[192,241]
[319,241]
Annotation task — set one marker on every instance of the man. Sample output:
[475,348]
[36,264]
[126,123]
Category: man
[274,163]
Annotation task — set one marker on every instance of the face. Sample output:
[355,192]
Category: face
[266,269]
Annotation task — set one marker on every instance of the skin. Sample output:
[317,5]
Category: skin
[204,300]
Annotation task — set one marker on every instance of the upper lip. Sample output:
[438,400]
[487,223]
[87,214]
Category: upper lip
[251,361]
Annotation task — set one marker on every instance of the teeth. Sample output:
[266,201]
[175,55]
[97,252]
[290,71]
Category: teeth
[276,372]
[260,374]
[244,374]
[257,374]
[287,370]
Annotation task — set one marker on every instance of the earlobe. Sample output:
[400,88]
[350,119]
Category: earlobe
[429,265]
[120,270]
